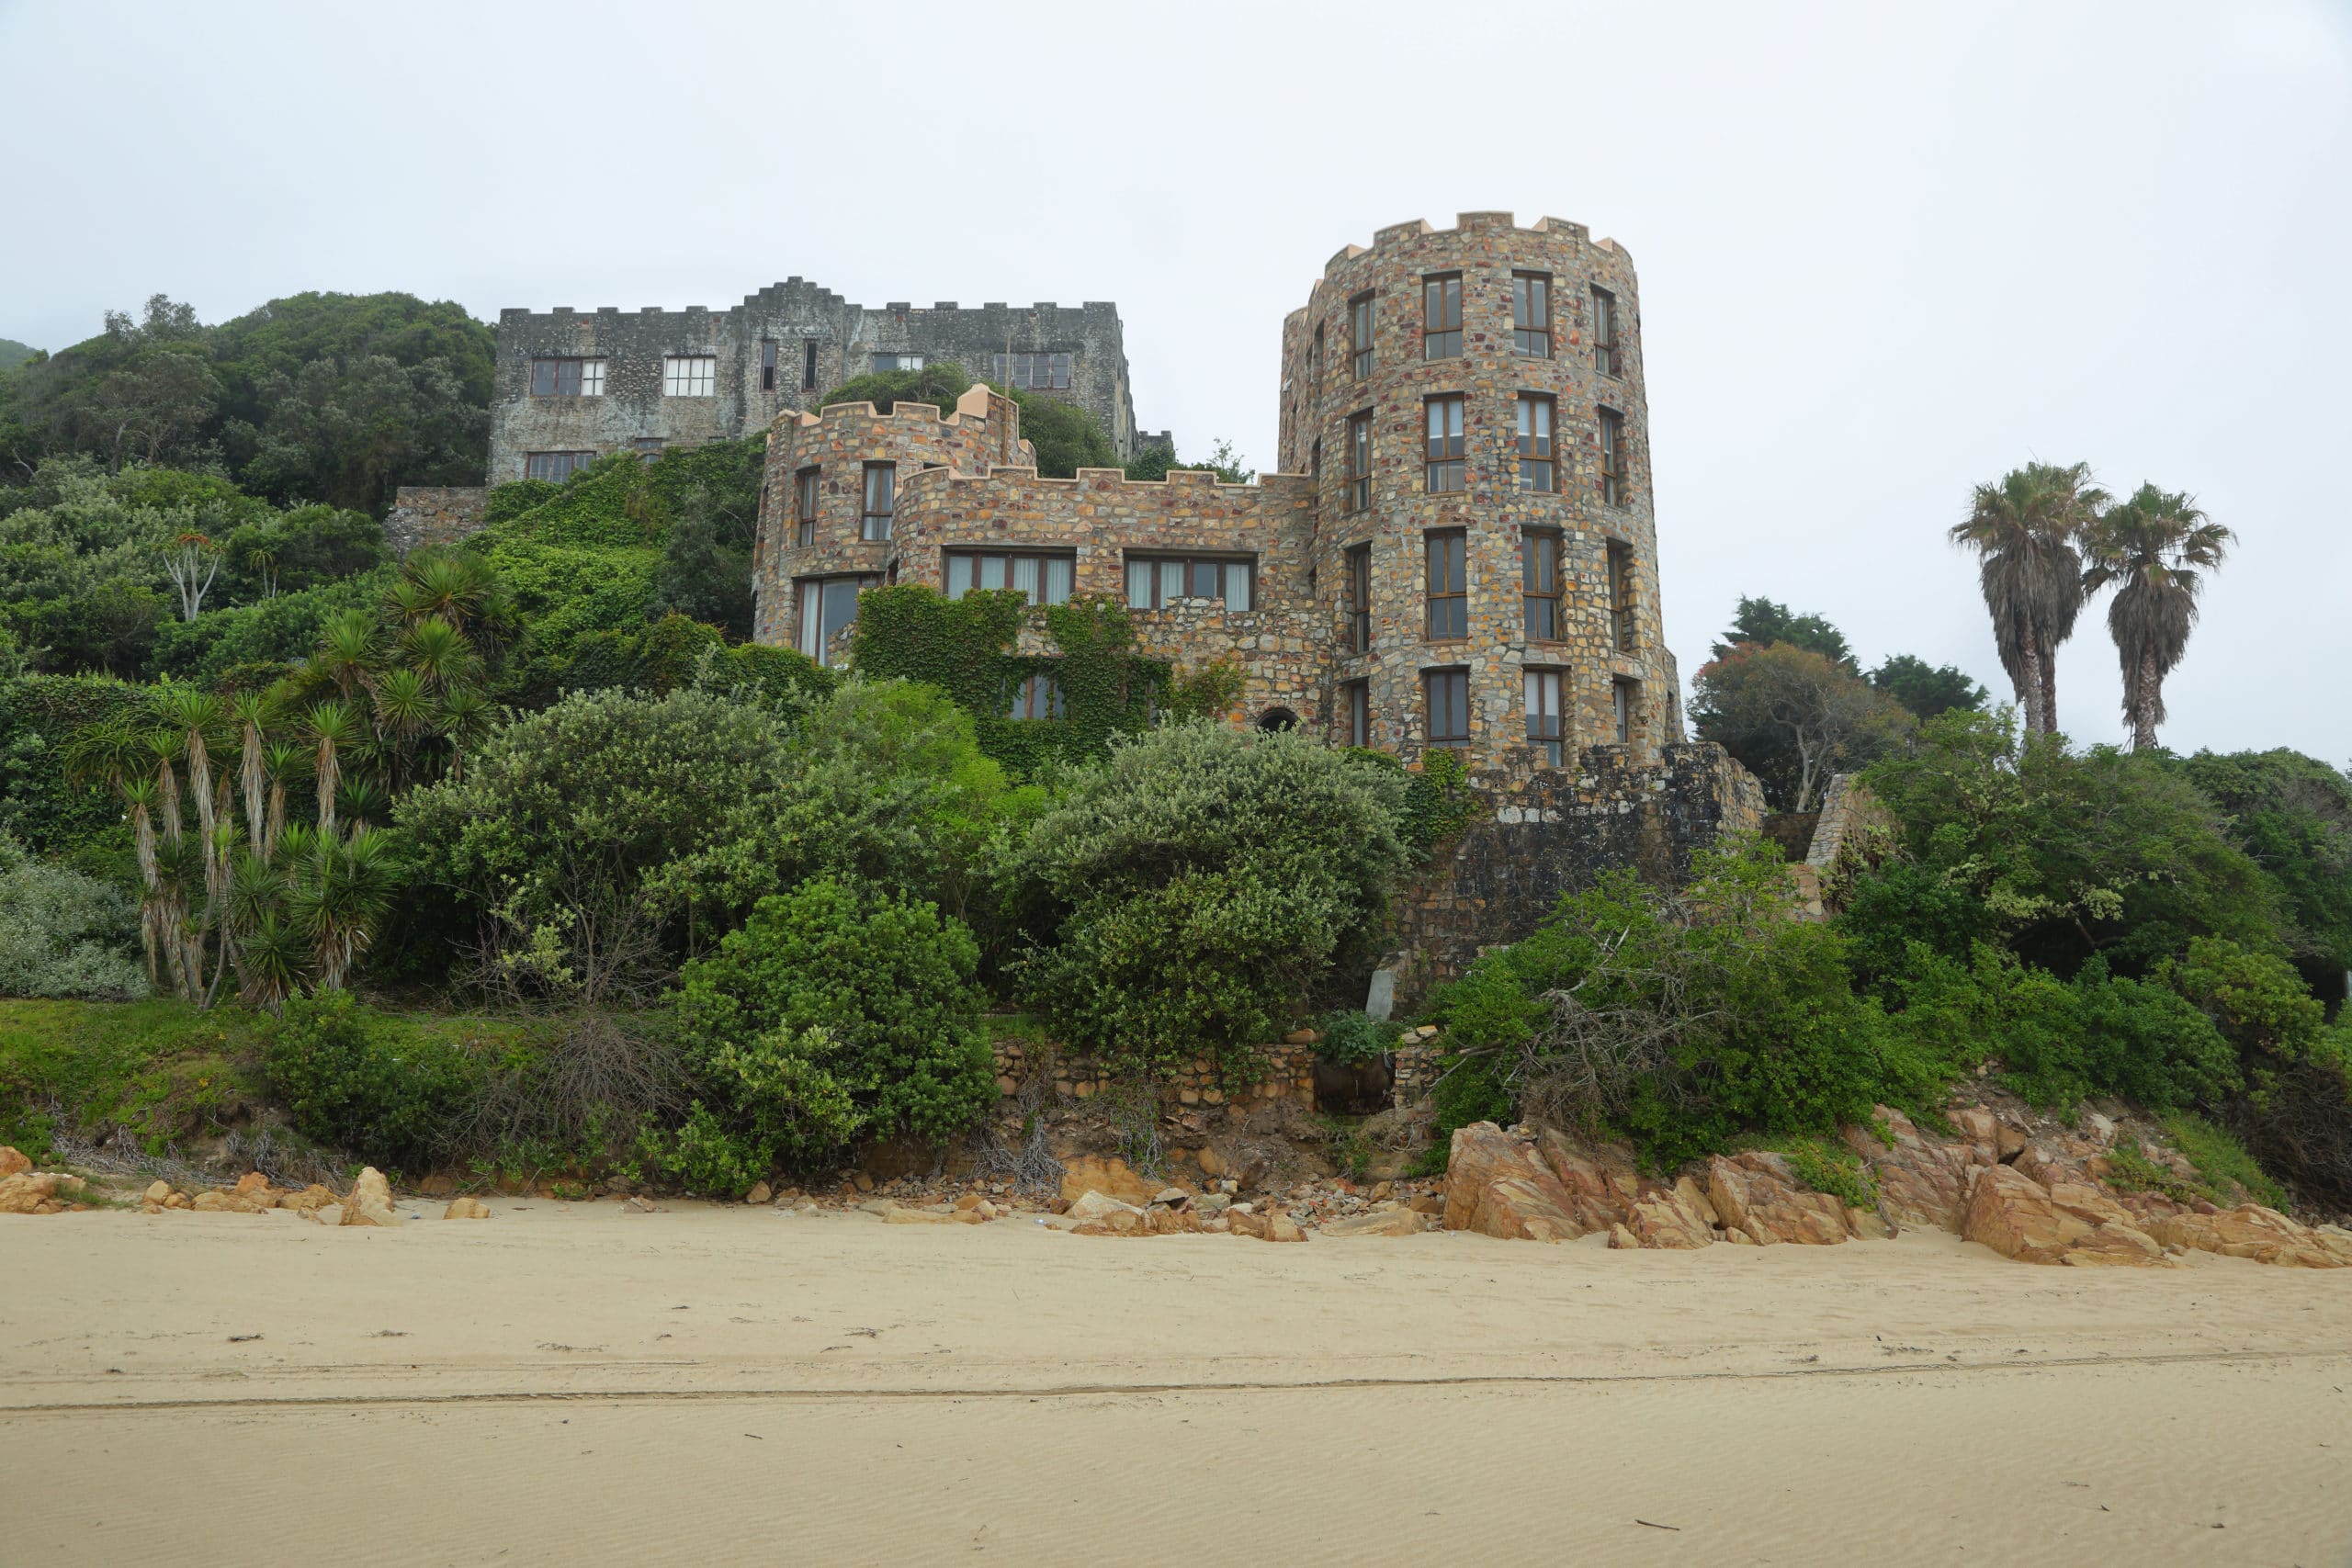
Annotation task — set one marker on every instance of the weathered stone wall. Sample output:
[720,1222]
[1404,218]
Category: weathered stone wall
[1551,833]
[792,315]
[1289,1074]
[433,515]
[1321,395]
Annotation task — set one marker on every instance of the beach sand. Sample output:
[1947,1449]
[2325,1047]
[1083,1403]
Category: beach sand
[584,1383]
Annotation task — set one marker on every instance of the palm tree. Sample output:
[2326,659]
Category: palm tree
[254,711]
[2023,530]
[2154,545]
[460,588]
[341,892]
[335,726]
[284,760]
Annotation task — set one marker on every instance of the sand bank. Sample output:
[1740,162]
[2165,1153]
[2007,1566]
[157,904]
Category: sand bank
[584,1383]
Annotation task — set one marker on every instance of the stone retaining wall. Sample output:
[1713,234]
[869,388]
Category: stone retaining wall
[433,515]
[1290,1075]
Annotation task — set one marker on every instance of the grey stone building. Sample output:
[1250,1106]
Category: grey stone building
[575,385]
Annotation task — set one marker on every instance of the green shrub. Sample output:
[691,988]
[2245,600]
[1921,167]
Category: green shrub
[383,1089]
[2224,1163]
[1204,881]
[702,1157]
[838,1007]
[1832,1169]
[1468,1090]
[63,934]
[1352,1035]
[1683,1019]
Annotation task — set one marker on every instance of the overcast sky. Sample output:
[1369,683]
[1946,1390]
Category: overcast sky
[1885,251]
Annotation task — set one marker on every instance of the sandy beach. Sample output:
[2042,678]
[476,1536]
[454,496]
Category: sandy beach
[582,1383]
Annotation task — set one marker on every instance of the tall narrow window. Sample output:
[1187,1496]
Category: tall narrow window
[1625,696]
[804,510]
[1604,333]
[1544,714]
[767,365]
[1359,461]
[1360,599]
[1314,462]
[808,365]
[1442,316]
[1531,314]
[1444,472]
[1449,584]
[1538,584]
[881,499]
[1356,699]
[1447,694]
[1613,457]
[1315,361]
[1621,596]
[1535,443]
[1359,334]
[827,604]
[689,375]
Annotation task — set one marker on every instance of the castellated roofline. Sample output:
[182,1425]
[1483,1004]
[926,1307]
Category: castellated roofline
[1463,223]
[974,403]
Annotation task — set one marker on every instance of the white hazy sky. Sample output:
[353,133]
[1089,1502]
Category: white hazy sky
[1885,251]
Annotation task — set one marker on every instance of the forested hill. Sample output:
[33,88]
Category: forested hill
[13,353]
[337,398]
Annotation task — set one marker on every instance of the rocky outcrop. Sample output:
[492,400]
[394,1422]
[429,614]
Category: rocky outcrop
[1108,1175]
[38,1192]
[12,1162]
[1757,1195]
[1497,1186]
[1921,1182]
[2264,1235]
[2017,1217]
[371,1201]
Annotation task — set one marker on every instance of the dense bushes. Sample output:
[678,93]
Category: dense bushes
[1681,1019]
[1201,886]
[63,934]
[837,1008]
[357,1079]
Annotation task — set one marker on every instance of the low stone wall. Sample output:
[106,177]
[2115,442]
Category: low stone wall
[433,515]
[1289,1074]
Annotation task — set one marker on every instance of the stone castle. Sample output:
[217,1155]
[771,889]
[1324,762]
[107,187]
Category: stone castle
[1460,553]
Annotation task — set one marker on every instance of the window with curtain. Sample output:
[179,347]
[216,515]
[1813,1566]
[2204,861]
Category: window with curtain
[1539,572]
[1152,580]
[1531,314]
[1536,472]
[1038,696]
[804,490]
[1359,461]
[1443,471]
[1544,731]
[1449,584]
[1446,696]
[827,604]
[1045,576]
[1604,333]
[1442,316]
[881,499]
[1613,485]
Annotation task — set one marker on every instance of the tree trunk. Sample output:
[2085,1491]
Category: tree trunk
[2050,689]
[2145,693]
[2030,679]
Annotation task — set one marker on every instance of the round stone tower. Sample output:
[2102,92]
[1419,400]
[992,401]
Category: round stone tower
[1470,404]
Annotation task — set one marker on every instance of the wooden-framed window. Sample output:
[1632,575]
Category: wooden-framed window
[1153,580]
[1038,696]
[1445,694]
[1604,333]
[1355,707]
[554,377]
[1360,461]
[1442,316]
[1448,591]
[1360,599]
[1625,698]
[1535,470]
[881,500]
[808,365]
[1613,486]
[689,375]
[827,604]
[1444,470]
[767,364]
[1621,596]
[1544,731]
[1044,575]
[1538,584]
[1314,360]
[1531,314]
[1360,331]
[897,362]
[648,448]
[555,466]
[805,491]
[1031,372]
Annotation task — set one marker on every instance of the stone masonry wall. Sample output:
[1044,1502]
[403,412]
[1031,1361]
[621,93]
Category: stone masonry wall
[433,515]
[793,315]
[1555,833]
[1289,1074]
[1322,392]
